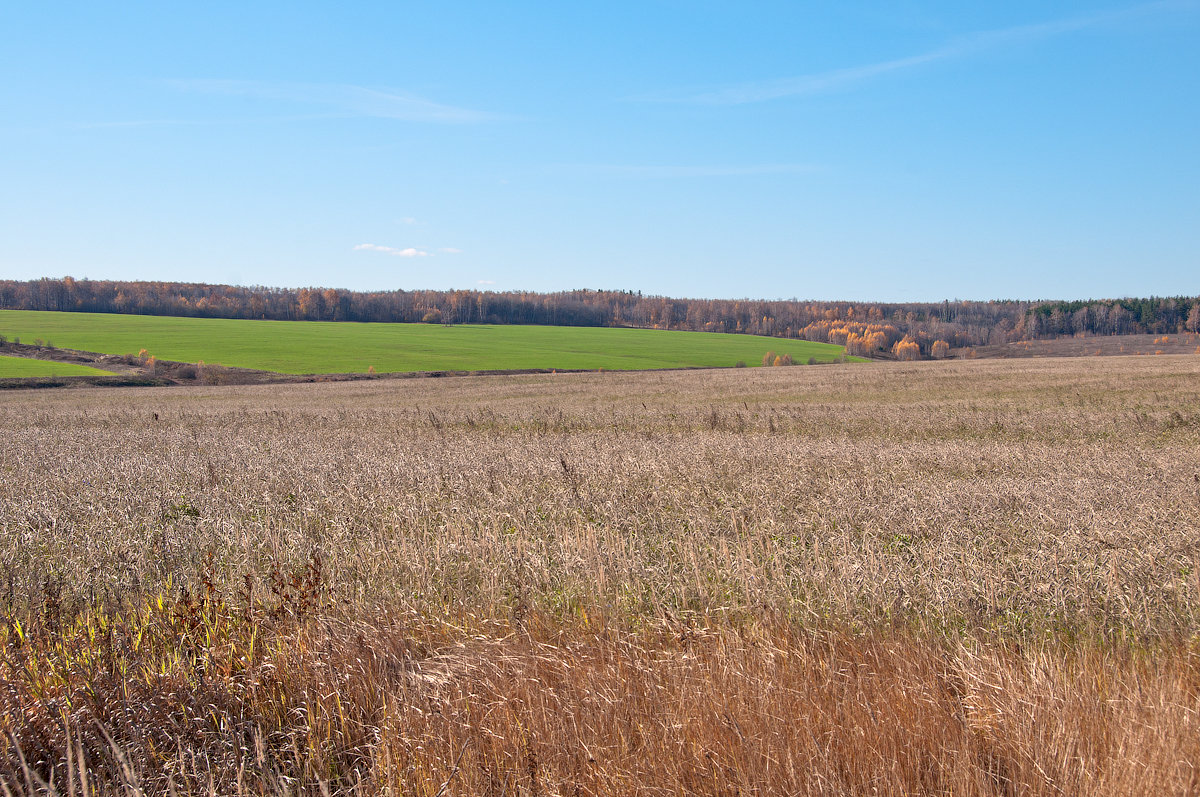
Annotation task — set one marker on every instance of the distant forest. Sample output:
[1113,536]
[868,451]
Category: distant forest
[908,330]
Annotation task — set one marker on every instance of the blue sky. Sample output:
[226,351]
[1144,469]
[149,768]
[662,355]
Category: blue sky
[893,151]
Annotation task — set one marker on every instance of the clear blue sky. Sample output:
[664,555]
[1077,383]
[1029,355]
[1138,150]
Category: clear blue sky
[893,150]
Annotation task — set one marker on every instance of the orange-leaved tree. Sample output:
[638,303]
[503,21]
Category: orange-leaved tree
[907,349]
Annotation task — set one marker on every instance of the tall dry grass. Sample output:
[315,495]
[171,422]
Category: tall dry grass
[971,577]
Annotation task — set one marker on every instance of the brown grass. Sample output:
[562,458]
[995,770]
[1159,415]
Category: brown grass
[1092,346]
[963,577]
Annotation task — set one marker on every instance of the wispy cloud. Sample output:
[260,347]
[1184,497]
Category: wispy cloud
[840,79]
[485,282]
[391,250]
[342,99]
[671,172]
[450,250]
[204,122]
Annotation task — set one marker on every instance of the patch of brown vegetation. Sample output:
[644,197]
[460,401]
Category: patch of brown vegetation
[1094,346]
[413,706]
[955,577]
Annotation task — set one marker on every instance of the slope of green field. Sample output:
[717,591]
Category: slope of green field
[25,367]
[301,347]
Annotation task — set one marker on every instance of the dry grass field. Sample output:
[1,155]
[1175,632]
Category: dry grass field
[965,577]
[1093,346]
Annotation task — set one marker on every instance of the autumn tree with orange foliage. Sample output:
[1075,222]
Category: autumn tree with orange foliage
[939,350]
[867,343]
[860,339]
[907,349]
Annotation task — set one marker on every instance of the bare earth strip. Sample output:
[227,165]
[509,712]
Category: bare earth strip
[959,577]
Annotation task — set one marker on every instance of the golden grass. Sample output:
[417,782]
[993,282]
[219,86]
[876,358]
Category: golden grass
[966,577]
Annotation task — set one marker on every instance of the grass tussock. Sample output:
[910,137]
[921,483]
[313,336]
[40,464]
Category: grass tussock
[967,578]
[176,698]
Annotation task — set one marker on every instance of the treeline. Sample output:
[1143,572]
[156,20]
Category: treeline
[1153,316]
[906,330]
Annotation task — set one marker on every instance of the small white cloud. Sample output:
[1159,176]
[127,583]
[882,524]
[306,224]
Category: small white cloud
[391,250]
[450,250]
[407,220]
[486,282]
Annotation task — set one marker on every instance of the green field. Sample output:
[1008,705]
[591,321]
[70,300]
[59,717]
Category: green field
[25,367]
[314,347]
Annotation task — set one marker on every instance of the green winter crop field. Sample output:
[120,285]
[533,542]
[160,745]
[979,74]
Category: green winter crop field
[25,367]
[301,347]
